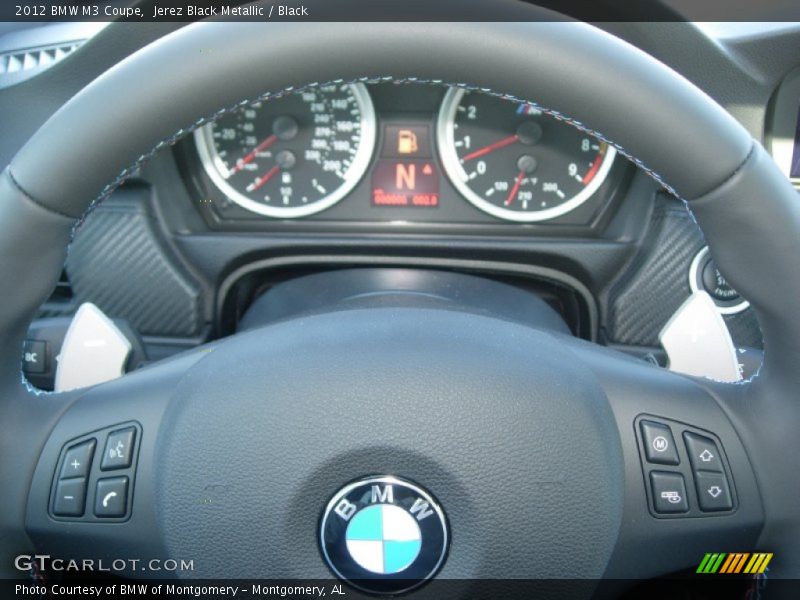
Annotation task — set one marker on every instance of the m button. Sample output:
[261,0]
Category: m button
[659,446]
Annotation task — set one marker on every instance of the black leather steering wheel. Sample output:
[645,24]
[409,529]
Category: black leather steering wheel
[529,439]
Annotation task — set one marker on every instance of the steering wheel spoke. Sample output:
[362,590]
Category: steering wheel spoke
[689,485]
[94,489]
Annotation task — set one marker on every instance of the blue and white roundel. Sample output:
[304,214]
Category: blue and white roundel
[383,534]
[383,539]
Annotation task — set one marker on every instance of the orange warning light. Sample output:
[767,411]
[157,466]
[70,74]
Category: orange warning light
[406,142]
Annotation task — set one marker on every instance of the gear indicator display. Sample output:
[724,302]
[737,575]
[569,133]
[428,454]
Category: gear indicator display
[405,183]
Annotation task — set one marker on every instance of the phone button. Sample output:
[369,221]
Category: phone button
[111,497]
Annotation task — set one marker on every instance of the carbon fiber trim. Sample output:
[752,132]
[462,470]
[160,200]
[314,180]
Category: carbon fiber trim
[118,262]
[657,283]
[745,330]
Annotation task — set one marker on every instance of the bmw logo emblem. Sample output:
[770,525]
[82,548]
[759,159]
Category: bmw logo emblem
[384,535]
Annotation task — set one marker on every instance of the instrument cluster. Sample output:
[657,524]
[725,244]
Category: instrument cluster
[401,153]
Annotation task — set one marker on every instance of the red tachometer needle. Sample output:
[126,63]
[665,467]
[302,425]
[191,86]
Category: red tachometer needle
[593,169]
[252,154]
[512,139]
[515,188]
[263,179]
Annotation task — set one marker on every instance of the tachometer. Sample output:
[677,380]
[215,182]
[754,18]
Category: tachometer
[515,162]
[292,156]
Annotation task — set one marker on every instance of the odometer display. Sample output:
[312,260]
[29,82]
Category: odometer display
[515,162]
[291,156]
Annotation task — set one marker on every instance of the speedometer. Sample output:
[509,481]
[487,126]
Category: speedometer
[515,162]
[291,156]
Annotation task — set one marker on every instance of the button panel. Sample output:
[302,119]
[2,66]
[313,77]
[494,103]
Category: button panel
[691,479]
[94,485]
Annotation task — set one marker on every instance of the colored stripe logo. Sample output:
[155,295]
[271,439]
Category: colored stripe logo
[735,562]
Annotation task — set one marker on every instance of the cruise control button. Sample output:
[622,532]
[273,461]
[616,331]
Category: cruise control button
[70,497]
[712,491]
[669,492]
[703,453]
[111,497]
[119,449]
[77,460]
[659,447]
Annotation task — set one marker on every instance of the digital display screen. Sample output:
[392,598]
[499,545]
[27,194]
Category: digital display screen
[794,171]
[405,183]
[406,174]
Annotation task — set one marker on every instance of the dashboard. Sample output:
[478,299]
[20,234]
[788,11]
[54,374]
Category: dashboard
[398,154]
[403,175]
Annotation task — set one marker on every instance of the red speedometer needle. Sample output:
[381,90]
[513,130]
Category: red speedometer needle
[263,179]
[515,188]
[512,139]
[252,154]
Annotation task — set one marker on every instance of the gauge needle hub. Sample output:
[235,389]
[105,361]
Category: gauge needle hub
[252,154]
[507,141]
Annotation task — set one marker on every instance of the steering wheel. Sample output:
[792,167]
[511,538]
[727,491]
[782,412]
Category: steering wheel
[535,444]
